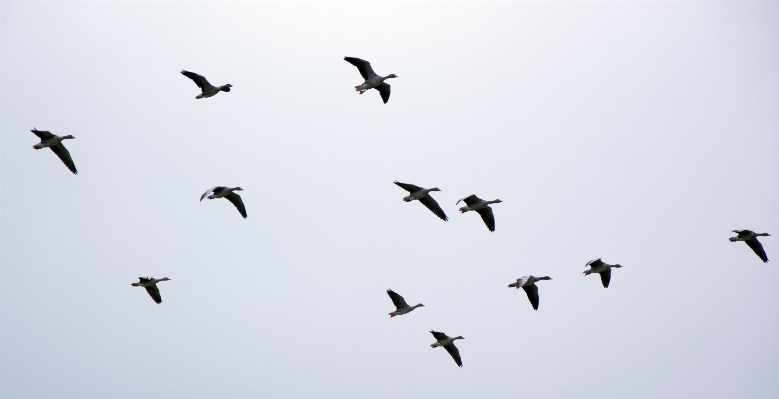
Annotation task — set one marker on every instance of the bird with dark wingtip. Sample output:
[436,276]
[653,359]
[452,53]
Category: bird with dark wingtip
[150,283]
[448,344]
[229,194]
[54,142]
[604,269]
[750,237]
[474,203]
[528,283]
[423,196]
[208,90]
[401,307]
[372,80]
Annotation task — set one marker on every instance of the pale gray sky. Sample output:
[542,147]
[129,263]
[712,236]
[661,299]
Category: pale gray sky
[642,133]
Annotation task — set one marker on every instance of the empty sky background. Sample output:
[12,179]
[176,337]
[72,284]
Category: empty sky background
[642,133]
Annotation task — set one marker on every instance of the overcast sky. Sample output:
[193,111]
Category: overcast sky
[642,133]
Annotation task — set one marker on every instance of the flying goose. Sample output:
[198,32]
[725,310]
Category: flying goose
[597,266]
[528,283]
[55,143]
[474,203]
[227,192]
[372,81]
[150,283]
[202,83]
[448,344]
[400,304]
[750,237]
[422,194]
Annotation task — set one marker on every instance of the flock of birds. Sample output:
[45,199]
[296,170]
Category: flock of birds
[416,193]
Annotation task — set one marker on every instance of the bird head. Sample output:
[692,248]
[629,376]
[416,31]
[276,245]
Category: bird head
[392,75]
[68,137]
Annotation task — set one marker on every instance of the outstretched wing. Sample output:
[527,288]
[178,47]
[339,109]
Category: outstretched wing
[408,187]
[532,295]
[758,248]
[455,354]
[487,217]
[154,292]
[384,90]
[64,156]
[431,204]
[594,263]
[365,68]
[605,278]
[236,200]
[470,200]
[209,191]
[42,134]
[199,80]
[398,300]
[438,335]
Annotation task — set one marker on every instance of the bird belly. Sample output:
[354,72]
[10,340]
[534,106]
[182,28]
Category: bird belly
[416,196]
[364,86]
[45,144]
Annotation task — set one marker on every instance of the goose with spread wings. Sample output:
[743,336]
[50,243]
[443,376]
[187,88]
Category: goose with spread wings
[423,196]
[229,194]
[604,269]
[474,203]
[750,237]
[528,283]
[448,344]
[54,142]
[208,90]
[150,283]
[400,304]
[372,80]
